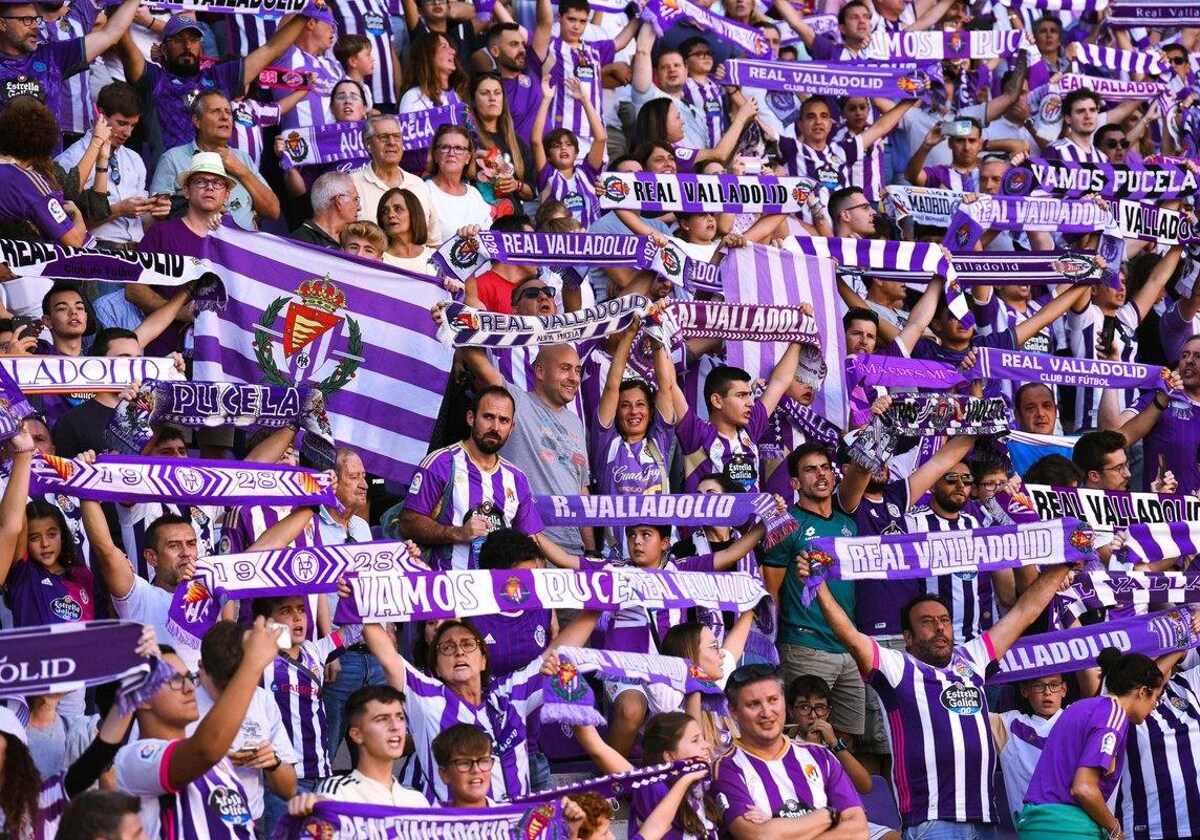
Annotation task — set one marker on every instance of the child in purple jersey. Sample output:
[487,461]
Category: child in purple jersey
[514,639]
[560,173]
[1082,761]
[660,810]
[728,441]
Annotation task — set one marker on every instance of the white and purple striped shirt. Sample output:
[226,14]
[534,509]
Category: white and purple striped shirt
[1083,330]
[866,172]
[969,594]
[246,33]
[831,165]
[250,117]
[433,707]
[450,488]
[1159,792]
[584,63]
[1067,149]
[75,106]
[707,98]
[577,193]
[371,19]
[943,757]
[313,109]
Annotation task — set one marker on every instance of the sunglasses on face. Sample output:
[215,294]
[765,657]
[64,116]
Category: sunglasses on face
[964,479]
[1115,144]
[1179,60]
[536,292]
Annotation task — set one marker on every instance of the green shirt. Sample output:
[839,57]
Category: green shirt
[801,625]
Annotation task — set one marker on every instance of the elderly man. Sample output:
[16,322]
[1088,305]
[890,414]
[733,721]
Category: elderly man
[168,90]
[801,786]
[212,117]
[335,204]
[385,145]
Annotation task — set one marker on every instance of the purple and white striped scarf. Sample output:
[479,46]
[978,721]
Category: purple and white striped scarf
[683,270]
[1155,13]
[1151,223]
[921,258]
[1070,179]
[310,145]
[1060,652]
[829,78]
[663,14]
[61,658]
[131,478]
[1159,541]
[1014,268]
[620,784]
[85,374]
[331,818]
[897,371]
[464,326]
[996,212]
[13,407]
[199,405]
[1115,90]
[933,45]
[1143,62]
[812,425]
[1097,589]
[567,697]
[1109,510]
[1058,5]
[685,509]
[1018,366]
[743,322]
[462,259]
[704,193]
[240,7]
[60,262]
[935,553]
[920,415]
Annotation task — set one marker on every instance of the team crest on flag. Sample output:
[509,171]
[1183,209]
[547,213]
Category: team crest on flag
[569,683]
[295,146]
[615,189]
[310,338]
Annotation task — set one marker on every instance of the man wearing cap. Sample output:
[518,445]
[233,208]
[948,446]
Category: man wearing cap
[28,66]
[167,90]
[212,118]
[311,54]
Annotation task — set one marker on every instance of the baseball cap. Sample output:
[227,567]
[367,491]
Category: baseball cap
[180,23]
[318,10]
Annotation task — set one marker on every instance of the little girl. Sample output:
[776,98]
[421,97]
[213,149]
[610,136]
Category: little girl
[48,585]
[555,155]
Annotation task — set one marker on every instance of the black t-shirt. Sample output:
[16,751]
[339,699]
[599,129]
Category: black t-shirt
[80,429]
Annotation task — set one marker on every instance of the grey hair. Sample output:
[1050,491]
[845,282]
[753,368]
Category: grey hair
[197,107]
[327,188]
[368,129]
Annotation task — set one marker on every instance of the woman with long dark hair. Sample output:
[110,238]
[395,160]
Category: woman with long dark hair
[436,78]
[659,121]
[29,188]
[503,158]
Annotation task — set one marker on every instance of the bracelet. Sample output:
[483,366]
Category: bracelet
[276,765]
[840,746]
[1161,407]
[835,816]
[101,168]
[23,451]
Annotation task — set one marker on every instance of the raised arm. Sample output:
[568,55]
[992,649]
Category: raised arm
[879,129]
[1045,316]
[661,821]
[1146,296]
[576,633]
[381,647]
[284,532]
[538,130]
[543,27]
[729,556]
[927,475]
[132,59]
[607,759]
[793,19]
[606,411]
[1028,607]
[595,155]
[287,33]
[914,171]
[643,65]
[12,505]
[669,400]
[102,40]
[114,565]
[747,112]
[735,639]
[152,325]
[781,377]
[921,315]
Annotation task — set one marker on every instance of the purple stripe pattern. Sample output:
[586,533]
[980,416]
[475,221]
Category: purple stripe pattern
[829,78]
[704,193]
[13,406]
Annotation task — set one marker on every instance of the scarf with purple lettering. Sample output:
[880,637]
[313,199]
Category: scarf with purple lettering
[820,25]
[402,595]
[1039,213]
[240,7]
[1101,589]
[829,78]
[920,258]
[1110,510]
[199,405]
[1162,540]
[920,415]
[60,658]
[85,374]
[899,372]
[704,193]
[685,509]
[621,784]
[14,408]
[1143,62]
[1069,179]
[189,481]
[461,258]
[1018,366]
[935,553]
[924,205]
[683,270]
[463,326]
[663,14]
[60,262]
[339,142]
[331,818]
[1154,13]
[1117,90]
[567,697]
[933,45]
[1060,652]
[1151,223]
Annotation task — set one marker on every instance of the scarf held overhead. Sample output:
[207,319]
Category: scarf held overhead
[1070,179]
[663,14]
[704,193]
[818,78]
[60,262]
[933,45]
[85,374]
[1019,366]
[463,326]
[1138,591]
[14,408]
[921,415]
[462,258]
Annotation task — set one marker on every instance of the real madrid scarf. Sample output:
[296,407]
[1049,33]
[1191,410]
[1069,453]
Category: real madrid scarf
[567,697]
[1070,179]
[61,658]
[704,193]
[189,481]
[922,415]
[206,404]
[936,553]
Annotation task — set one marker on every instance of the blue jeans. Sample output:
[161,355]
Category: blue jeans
[274,808]
[358,669]
[944,830]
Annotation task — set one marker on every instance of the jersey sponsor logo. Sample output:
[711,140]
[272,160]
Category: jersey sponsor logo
[148,751]
[741,468]
[962,699]
[793,809]
[229,804]
[373,23]
[491,513]
[66,608]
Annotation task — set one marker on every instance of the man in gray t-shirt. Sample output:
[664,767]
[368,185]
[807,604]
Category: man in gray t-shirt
[548,442]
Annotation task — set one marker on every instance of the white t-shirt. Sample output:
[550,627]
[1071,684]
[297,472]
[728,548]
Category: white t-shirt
[457,211]
[355,787]
[149,604]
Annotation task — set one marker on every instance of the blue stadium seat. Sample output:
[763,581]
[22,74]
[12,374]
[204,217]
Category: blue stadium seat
[1005,830]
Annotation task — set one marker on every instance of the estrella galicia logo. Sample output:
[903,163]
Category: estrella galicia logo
[229,805]
[962,699]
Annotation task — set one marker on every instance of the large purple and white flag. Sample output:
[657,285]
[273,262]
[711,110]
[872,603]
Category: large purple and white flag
[757,274]
[359,331]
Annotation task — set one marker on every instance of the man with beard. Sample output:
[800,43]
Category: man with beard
[30,67]
[464,491]
[507,45]
[938,785]
[168,89]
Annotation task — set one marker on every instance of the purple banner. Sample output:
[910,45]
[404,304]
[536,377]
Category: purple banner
[897,371]
[829,78]
[331,818]
[1159,541]
[1018,366]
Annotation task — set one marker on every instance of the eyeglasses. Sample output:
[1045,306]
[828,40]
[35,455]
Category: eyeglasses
[856,206]
[453,150]
[749,673]
[1048,687]
[466,765]
[178,681]
[964,479]
[453,648]
[209,183]
[357,198]
[24,20]
[1122,467]
[348,97]
[536,292]
[1115,144]
[811,708]
[991,485]
[390,137]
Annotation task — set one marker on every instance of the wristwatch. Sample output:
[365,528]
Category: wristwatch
[276,765]
[1161,407]
[835,816]
[840,746]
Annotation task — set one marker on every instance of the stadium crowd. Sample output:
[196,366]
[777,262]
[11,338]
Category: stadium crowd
[388,140]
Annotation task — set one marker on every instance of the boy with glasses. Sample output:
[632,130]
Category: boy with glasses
[701,92]
[464,760]
[1020,736]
